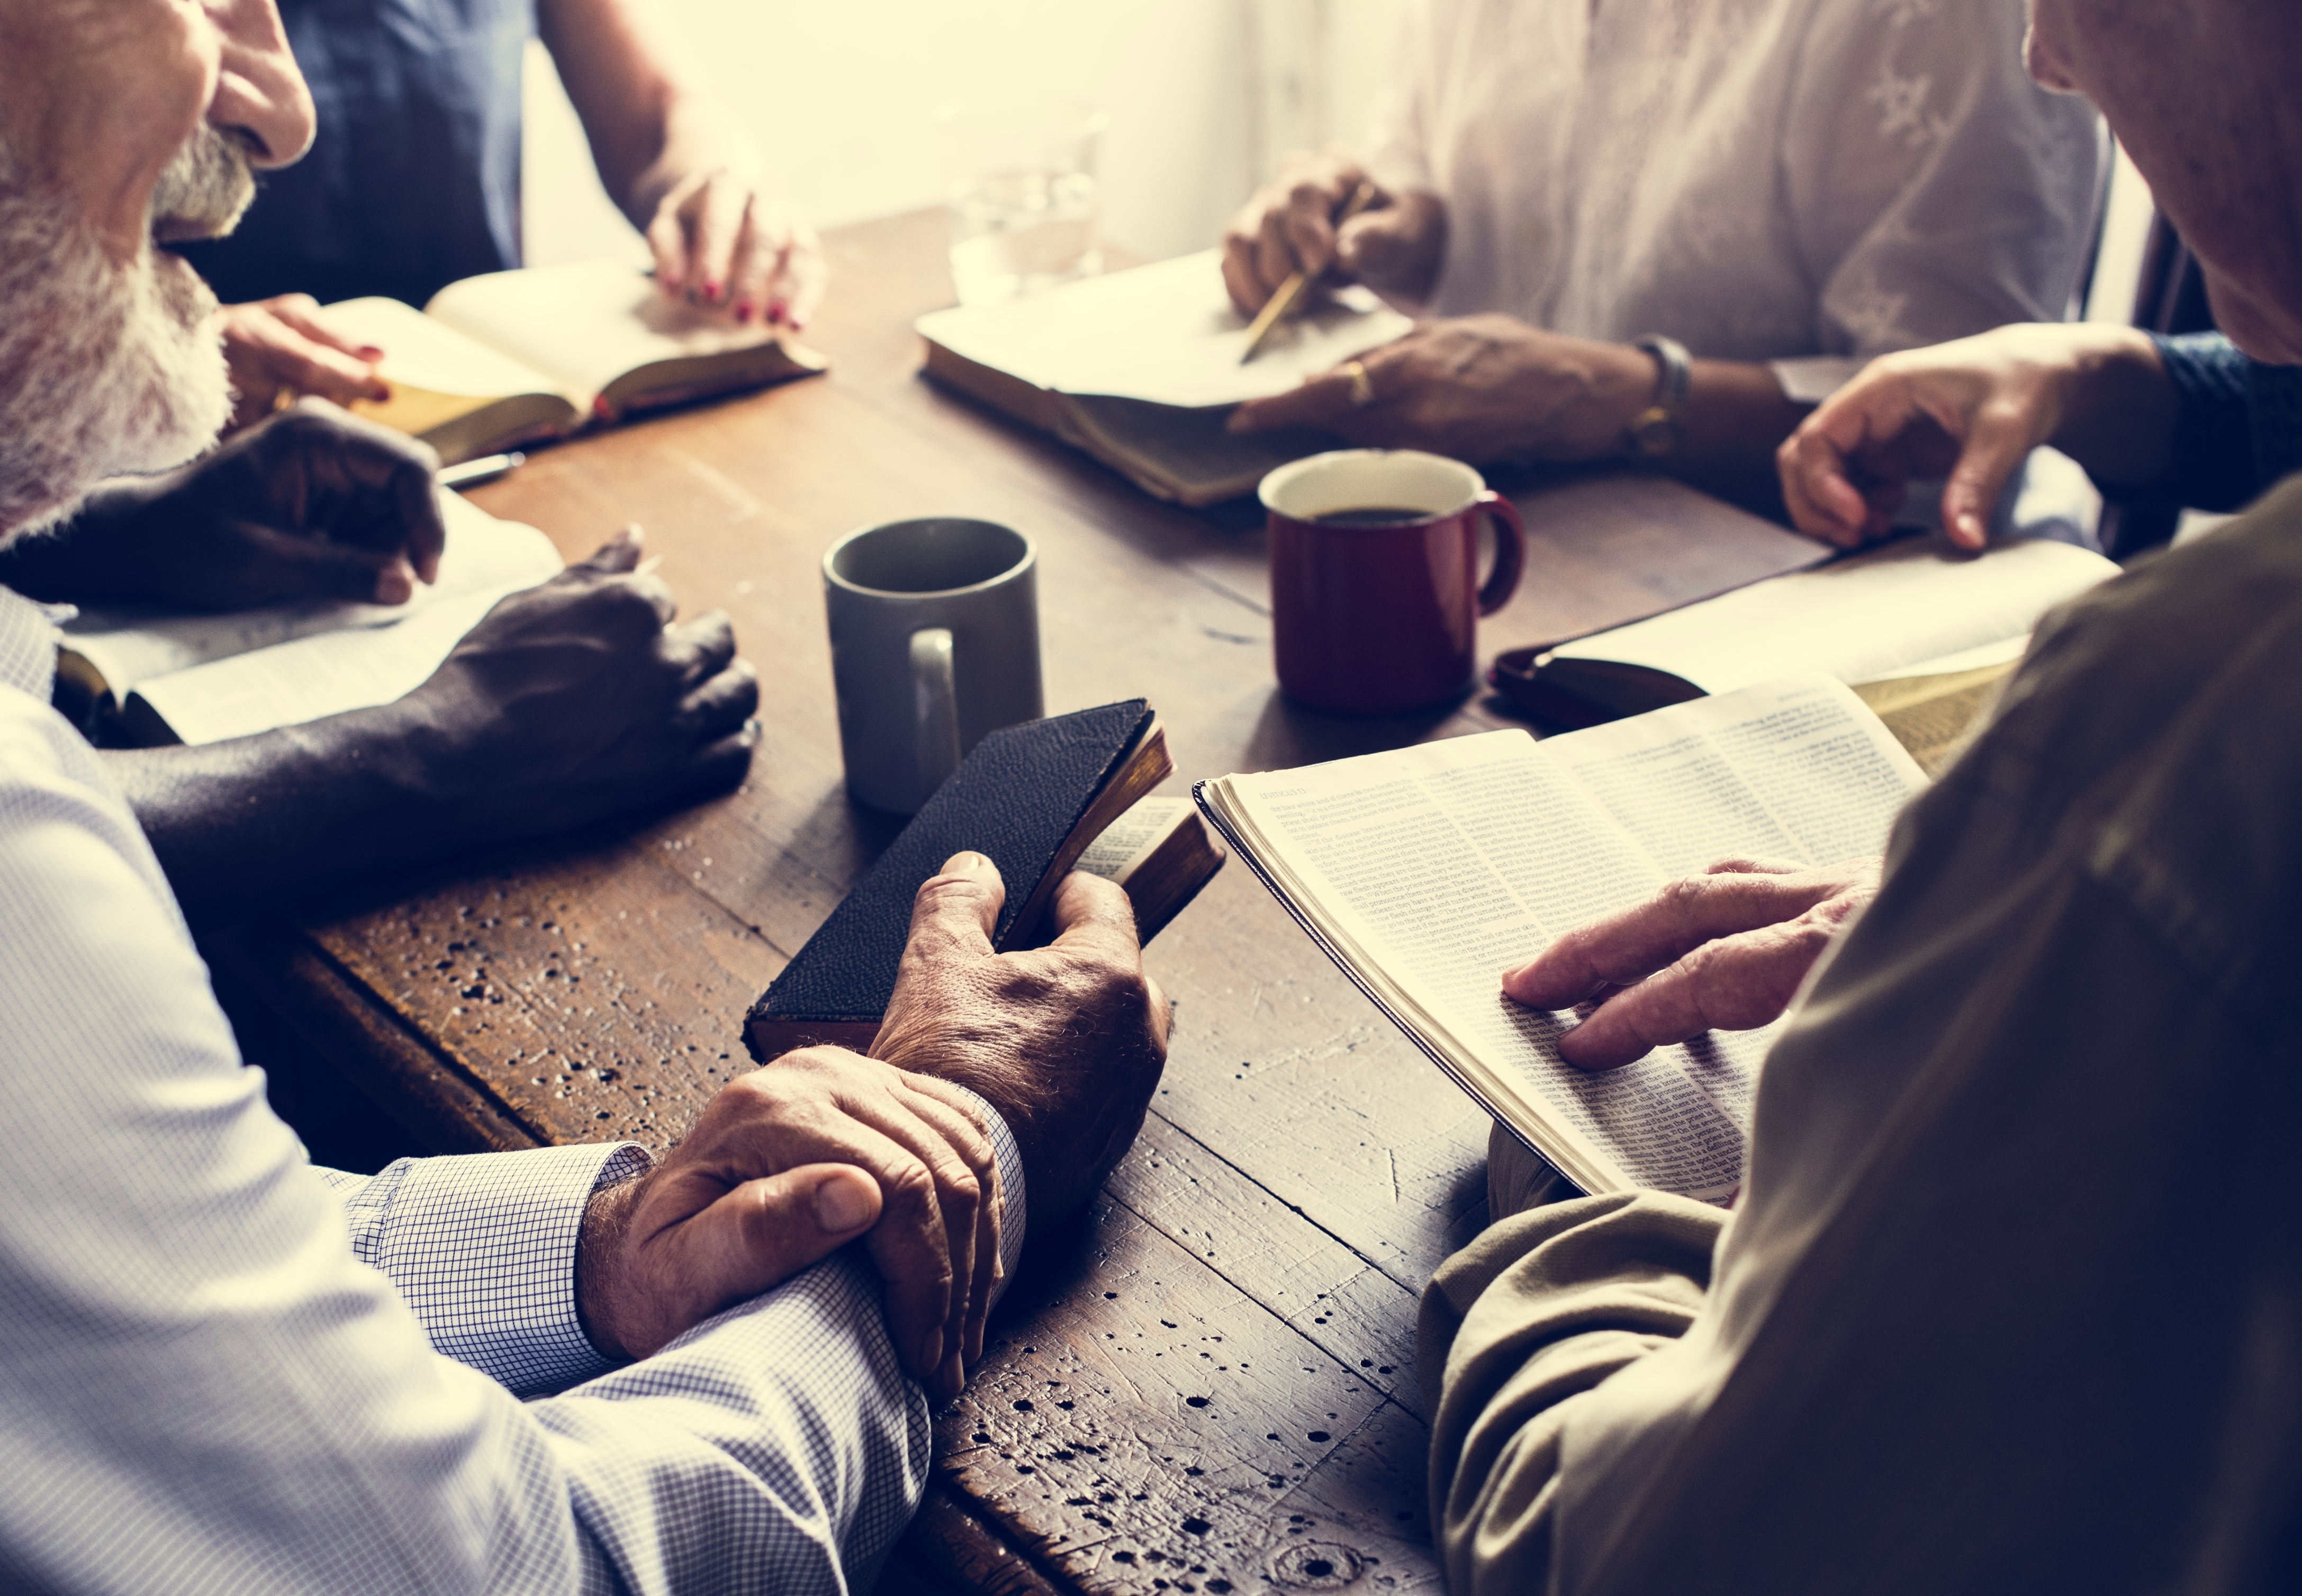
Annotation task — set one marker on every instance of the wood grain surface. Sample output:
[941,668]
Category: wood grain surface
[1208,1383]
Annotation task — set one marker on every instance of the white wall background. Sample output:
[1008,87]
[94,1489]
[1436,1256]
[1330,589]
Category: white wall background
[1203,97]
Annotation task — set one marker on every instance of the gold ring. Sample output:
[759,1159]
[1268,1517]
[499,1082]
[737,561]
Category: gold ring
[1362,388]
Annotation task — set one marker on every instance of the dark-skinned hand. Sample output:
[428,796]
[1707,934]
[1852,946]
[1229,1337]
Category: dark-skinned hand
[1722,951]
[577,700]
[1477,388]
[313,503]
[1066,1041]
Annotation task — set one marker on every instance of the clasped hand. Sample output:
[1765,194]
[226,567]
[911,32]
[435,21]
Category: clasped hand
[1726,949]
[824,1146]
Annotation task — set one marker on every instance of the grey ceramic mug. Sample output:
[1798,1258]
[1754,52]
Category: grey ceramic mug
[935,641]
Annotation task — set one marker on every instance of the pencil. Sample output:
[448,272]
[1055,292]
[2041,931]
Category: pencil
[1282,305]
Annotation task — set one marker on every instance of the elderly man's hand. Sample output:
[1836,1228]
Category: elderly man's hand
[1478,388]
[1971,411]
[576,701]
[1393,245]
[729,241]
[1066,1041]
[1722,951]
[787,1165]
[286,346]
[315,503]
[823,1146]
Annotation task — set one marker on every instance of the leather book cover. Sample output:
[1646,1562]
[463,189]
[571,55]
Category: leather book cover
[1016,799]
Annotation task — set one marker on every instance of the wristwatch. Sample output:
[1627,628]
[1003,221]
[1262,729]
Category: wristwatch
[1653,431]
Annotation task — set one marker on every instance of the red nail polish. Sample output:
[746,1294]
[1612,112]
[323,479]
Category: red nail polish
[710,292]
[743,309]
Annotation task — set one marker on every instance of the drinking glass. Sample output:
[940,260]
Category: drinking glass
[1020,171]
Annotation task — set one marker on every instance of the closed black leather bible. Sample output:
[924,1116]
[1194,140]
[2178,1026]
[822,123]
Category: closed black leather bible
[1030,798]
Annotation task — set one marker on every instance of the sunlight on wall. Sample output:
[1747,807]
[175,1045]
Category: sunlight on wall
[844,97]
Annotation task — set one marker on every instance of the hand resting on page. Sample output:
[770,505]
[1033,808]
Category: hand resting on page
[1726,949]
[314,503]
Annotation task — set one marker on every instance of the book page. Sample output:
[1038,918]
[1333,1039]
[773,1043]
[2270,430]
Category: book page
[432,359]
[324,673]
[1166,334]
[132,647]
[1132,838]
[586,324]
[1858,618]
[1442,865]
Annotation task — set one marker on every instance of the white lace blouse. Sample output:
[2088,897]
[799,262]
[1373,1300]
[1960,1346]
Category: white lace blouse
[1763,179]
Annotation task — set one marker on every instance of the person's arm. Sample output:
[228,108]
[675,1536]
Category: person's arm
[569,702]
[1970,412]
[1492,387]
[686,173]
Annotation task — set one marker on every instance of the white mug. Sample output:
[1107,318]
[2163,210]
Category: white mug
[935,642]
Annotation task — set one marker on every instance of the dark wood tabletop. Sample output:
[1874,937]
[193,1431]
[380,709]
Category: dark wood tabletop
[1207,1384]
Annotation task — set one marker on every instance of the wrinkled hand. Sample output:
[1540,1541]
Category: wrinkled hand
[314,503]
[1066,1041]
[1478,388]
[1971,410]
[787,1165]
[286,346]
[578,700]
[726,240]
[1722,951]
[1393,245]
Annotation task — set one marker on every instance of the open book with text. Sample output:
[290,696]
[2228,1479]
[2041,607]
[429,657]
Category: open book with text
[1425,872]
[172,678]
[523,356]
[1140,368]
[1924,631]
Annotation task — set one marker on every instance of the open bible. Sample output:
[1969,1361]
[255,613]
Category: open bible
[1425,872]
[1931,627]
[1141,368]
[152,677]
[521,357]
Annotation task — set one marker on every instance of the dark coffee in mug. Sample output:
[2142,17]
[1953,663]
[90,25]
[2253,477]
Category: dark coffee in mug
[1383,516]
[1375,595]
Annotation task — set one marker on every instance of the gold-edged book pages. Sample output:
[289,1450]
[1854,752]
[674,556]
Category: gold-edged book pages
[1425,872]
[523,356]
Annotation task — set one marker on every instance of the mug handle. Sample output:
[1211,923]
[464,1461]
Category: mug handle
[934,695]
[1511,550]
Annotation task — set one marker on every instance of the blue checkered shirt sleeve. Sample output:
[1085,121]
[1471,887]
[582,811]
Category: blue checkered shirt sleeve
[220,1370]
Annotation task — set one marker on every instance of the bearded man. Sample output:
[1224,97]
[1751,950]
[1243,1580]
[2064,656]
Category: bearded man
[2009,1300]
[223,1369]
[618,708]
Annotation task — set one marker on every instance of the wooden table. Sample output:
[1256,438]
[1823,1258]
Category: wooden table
[1208,1383]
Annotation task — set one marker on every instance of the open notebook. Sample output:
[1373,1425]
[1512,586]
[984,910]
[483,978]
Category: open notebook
[1140,368]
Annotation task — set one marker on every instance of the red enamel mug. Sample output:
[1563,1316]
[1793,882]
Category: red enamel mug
[1376,596]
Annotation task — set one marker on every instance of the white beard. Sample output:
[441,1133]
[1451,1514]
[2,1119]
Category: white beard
[104,369]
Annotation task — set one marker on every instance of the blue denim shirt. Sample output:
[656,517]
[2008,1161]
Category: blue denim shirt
[2238,424]
[412,180]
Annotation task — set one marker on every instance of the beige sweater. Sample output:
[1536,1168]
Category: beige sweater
[2013,1301]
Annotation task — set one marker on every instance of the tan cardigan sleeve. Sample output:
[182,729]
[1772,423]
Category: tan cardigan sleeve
[1540,1308]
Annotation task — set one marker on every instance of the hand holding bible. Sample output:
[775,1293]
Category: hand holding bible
[1726,949]
[1067,1041]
